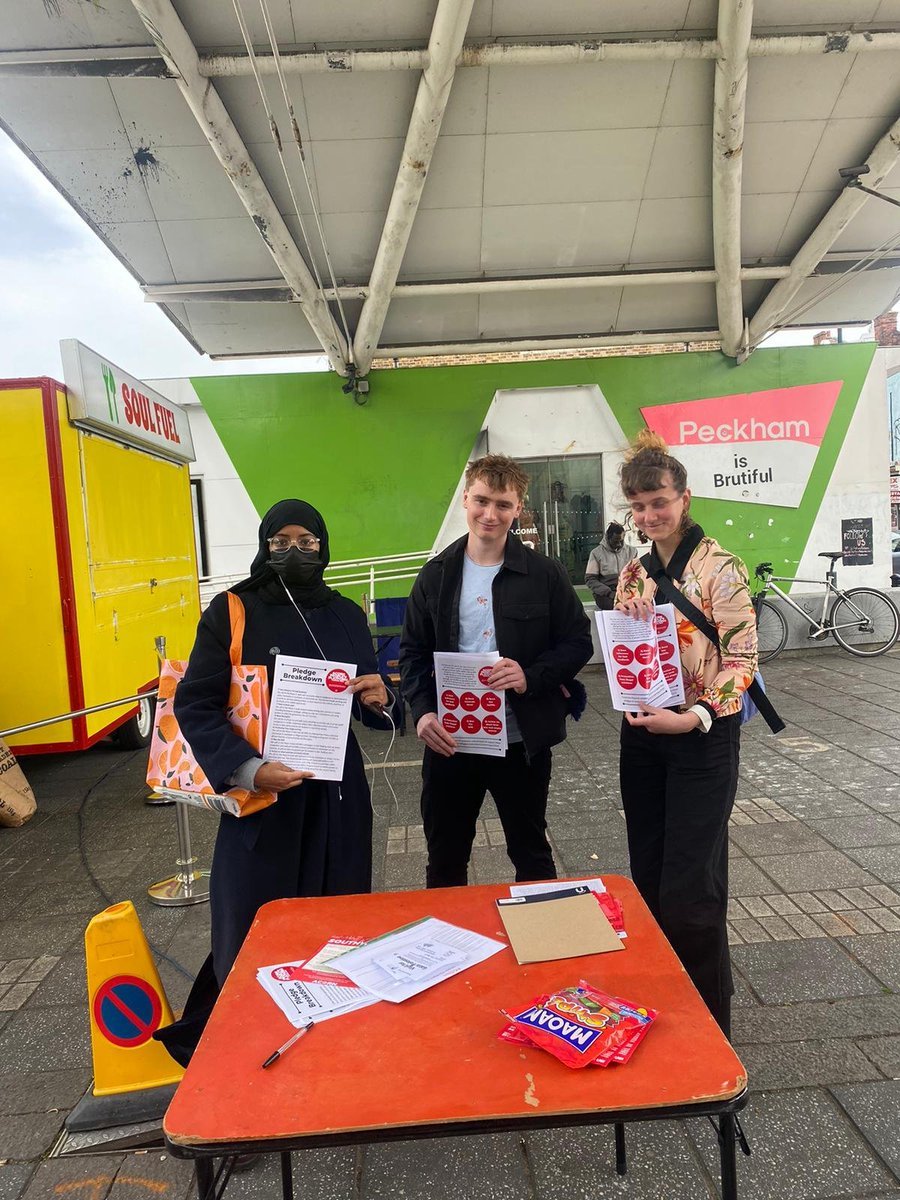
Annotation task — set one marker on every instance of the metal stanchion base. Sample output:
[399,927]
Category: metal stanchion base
[180,890]
[153,798]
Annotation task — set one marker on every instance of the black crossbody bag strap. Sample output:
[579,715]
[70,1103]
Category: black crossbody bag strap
[665,585]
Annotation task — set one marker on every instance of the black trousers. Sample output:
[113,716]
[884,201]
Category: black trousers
[678,792]
[453,790]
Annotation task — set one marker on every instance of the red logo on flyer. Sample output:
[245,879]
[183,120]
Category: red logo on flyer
[666,650]
[645,677]
[670,671]
[626,680]
[490,701]
[449,722]
[484,675]
[449,699]
[469,701]
[660,622]
[492,725]
[644,653]
[622,655]
[470,724]
[337,680]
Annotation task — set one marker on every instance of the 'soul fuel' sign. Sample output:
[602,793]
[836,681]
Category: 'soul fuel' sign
[103,397]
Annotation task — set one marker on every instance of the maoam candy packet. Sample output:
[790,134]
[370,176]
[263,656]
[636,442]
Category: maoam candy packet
[582,1025]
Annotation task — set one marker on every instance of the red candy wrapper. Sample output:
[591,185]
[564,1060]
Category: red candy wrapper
[612,910]
[581,1026]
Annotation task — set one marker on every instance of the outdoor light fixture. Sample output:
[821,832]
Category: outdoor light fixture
[356,387]
[852,174]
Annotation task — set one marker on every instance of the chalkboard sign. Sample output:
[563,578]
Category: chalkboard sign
[856,540]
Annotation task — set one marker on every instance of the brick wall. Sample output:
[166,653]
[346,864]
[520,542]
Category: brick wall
[513,356]
[886,332]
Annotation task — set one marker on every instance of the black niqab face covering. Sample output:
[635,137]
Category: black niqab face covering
[271,573]
[297,566]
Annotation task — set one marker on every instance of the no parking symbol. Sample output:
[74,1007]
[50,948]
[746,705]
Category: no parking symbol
[127,1010]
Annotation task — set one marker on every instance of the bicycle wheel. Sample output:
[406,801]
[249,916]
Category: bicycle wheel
[864,622]
[771,629]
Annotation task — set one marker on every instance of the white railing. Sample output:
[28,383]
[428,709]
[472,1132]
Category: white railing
[371,573]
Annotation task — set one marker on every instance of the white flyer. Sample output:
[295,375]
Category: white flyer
[305,994]
[631,654]
[666,624]
[470,710]
[309,716]
[556,885]
[335,946]
[406,961]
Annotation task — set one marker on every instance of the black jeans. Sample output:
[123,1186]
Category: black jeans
[453,791]
[678,792]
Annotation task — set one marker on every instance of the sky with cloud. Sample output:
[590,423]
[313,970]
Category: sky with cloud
[58,280]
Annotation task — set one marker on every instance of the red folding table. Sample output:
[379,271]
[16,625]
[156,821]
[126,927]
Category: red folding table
[433,1065]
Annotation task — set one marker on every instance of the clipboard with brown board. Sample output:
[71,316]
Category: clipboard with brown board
[563,924]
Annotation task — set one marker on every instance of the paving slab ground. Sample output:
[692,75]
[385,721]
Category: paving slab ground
[814,923]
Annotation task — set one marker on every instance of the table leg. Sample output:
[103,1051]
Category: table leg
[621,1163]
[287,1179]
[205,1186]
[727,1156]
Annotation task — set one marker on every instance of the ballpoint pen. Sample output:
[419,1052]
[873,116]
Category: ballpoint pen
[276,1054]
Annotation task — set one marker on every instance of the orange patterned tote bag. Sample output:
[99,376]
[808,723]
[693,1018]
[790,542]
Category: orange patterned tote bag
[173,771]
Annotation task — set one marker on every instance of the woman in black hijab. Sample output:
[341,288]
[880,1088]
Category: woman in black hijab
[317,839]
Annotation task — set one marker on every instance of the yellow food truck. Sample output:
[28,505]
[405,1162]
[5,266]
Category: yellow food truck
[98,551]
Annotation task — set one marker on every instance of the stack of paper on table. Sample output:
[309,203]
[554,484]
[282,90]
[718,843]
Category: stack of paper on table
[643,663]
[548,925]
[311,990]
[406,961]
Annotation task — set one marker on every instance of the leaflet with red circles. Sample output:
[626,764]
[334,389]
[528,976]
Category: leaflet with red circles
[468,707]
[664,622]
[309,716]
[643,664]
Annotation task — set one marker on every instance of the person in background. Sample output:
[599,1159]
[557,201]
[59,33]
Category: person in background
[486,592]
[605,563]
[678,767]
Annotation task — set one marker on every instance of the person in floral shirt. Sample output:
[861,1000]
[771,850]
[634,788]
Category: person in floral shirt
[678,767]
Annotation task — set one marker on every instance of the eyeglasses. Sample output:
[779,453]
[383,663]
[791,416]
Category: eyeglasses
[282,542]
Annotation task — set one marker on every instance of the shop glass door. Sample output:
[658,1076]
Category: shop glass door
[563,511]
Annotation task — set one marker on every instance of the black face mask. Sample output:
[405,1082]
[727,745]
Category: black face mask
[296,566]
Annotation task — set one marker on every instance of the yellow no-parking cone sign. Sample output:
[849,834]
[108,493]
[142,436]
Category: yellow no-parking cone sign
[134,1076]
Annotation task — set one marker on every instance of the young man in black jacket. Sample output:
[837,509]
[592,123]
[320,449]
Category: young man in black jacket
[489,592]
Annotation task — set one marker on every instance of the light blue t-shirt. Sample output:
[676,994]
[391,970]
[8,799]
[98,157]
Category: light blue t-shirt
[476,622]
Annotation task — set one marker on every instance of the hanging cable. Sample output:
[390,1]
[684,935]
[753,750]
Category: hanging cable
[276,138]
[864,264]
[298,142]
[888,246]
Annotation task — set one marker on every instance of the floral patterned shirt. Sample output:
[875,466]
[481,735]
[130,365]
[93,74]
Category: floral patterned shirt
[716,582]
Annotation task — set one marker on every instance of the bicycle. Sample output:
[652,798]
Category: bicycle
[862,621]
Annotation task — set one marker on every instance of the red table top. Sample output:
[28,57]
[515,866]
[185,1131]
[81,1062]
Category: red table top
[436,1059]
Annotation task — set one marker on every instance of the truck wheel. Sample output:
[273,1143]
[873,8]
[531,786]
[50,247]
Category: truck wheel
[135,734]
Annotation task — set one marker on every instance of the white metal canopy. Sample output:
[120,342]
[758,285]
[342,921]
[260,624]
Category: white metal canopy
[426,176]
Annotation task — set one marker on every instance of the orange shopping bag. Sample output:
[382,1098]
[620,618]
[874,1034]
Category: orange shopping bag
[172,770]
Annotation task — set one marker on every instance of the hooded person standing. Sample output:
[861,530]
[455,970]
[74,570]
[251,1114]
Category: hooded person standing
[605,563]
[317,839]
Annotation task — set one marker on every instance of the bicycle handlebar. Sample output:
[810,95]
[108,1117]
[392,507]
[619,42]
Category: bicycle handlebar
[763,570]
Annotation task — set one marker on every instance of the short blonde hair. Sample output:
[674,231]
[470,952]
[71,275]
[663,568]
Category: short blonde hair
[500,472]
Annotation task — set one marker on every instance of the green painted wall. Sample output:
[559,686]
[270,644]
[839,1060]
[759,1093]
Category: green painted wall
[384,473]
